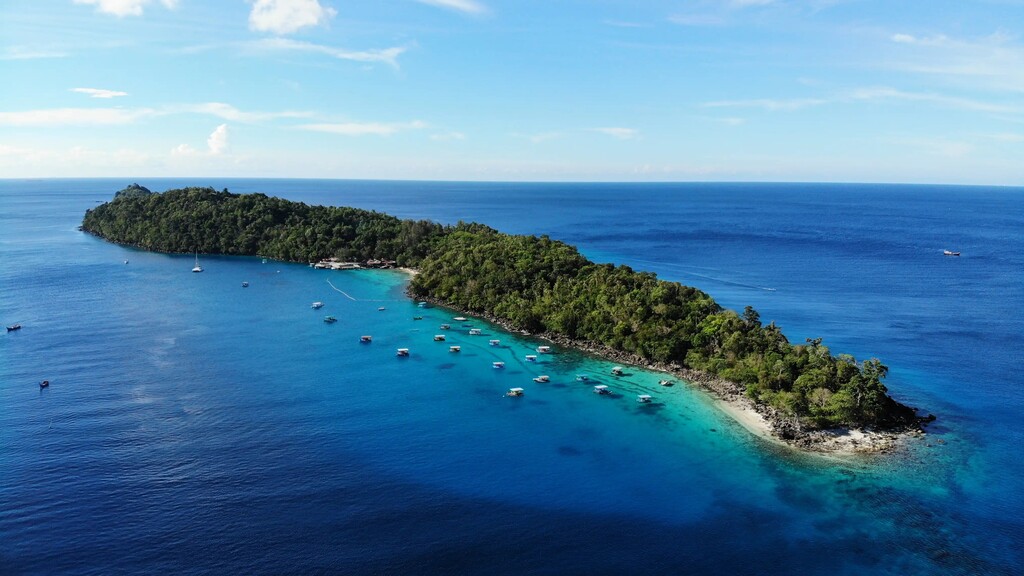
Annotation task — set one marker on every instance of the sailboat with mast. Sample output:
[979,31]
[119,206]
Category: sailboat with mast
[197,267]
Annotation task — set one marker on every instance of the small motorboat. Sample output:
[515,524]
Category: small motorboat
[455,348]
[402,352]
[446,326]
[330,319]
[459,318]
[514,392]
[601,389]
[531,358]
[439,337]
[666,382]
[582,377]
[44,384]
[495,342]
[544,349]
[542,379]
[366,339]
[14,327]
[474,332]
[950,253]
[498,364]
[417,317]
[617,371]
[317,305]
[644,398]
[381,309]
[245,284]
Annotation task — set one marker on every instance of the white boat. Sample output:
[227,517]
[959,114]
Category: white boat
[514,392]
[494,342]
[617,371]
[601,389]
[666,382]
[474,331]
[498,364]
[316,305]
[366,339]
[245,284]
[402,352]
[381,309]
[445,326]
[582,377]
[531,358]
[459,319]
[950,253]
[643,398]
[542,379]
[197,267]
[544,349]
[438,337]
[455,348]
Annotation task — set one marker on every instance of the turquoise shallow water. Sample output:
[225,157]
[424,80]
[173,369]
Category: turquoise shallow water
[195,426]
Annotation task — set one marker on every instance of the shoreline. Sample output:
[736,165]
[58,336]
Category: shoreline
[729,397]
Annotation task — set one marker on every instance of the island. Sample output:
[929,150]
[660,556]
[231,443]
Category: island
[800,394]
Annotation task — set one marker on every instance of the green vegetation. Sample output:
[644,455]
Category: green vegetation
[212,222]
[533,283]
[133,190]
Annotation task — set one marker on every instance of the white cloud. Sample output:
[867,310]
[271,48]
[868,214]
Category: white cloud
[218,140]
[364,128]
[886,93]
[767,104]
[99,93]
[74,116]
[23,53]
[993,63]
[229,112]
[448,136]
[387,55]
[697,20]
[464,6]
[540,136]
[184,150]
[122,8]
[620,133]
[287,16]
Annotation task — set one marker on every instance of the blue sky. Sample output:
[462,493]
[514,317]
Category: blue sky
[600,90]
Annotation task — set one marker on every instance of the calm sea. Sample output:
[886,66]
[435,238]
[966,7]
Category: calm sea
[193,426]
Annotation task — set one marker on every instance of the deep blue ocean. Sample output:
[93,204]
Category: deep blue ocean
[193,426]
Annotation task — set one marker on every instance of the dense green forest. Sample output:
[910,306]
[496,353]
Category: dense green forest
[532,283]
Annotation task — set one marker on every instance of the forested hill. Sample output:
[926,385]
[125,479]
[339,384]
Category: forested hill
[532,283]
[211,222]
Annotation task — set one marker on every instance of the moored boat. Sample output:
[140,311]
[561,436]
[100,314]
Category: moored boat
[316,305]
[44,384]
[601,389]
[474,332]
[544,349]
[497,364]
[245,284]
[531,358]
[455,348]
[446,326]
[643,398]
[14,327]
[542,379]
[330,319]
[402,352]
[514,392]
[366,339]
[582,377]
[439,337]
[459,318]
[666,382]
[950,253]
[494,342]
[617,371]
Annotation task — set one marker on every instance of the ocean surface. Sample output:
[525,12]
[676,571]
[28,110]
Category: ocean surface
[193,426]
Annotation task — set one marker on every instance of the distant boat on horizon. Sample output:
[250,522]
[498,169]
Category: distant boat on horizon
[197,267]
[950,253]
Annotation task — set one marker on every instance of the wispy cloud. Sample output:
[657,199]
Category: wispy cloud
[625,24]
[387,55]
[24,53]
[891,94]
[99,92]
[75,116]
[697,19]
[448,136]
[364,128]
[287,16]
[620,133]
[464,6]
[539,137]
[229,112]
[768,104]
[122,8]
[994,62]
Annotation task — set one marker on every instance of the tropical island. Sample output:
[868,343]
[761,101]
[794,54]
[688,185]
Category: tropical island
[803,393]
